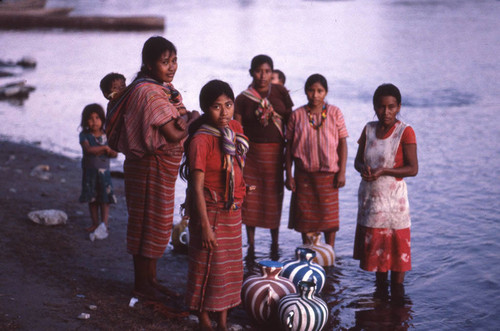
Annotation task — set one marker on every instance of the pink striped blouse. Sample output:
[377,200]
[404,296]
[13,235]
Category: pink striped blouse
[147,109]
[316,150]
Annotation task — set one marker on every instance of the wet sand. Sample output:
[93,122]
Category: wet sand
[50,275]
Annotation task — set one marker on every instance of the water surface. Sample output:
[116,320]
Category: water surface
[442,54]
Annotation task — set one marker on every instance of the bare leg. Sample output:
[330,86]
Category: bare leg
[397,288]
[142,274]
[381,278]
[105,213]
[153,281]
[205,322]
[94,215]
[275,233]
[397,277]
[222,322]
[251,235]
[330,238]
[305,240]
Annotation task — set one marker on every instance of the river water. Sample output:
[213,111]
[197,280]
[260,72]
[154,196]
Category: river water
[442,54]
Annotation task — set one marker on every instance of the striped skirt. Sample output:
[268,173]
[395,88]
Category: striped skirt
[264,169]
[215,277]
[149,190]
[314,205]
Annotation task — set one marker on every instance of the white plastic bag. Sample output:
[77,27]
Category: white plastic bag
[100,233]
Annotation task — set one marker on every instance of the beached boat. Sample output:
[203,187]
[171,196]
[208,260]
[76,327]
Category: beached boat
[15,90]
[31,14]
[21,20]
[24,62]
[48,11]
[15,5]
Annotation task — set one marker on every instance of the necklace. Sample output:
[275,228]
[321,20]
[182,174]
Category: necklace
[311,117]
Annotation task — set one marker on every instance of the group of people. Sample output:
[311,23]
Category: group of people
[234,157]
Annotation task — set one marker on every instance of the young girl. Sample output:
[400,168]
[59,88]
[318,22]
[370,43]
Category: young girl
[214,159]
[97,189]
[387,152]
[316,143]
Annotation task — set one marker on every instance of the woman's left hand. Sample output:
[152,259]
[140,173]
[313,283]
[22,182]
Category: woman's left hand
[208,239]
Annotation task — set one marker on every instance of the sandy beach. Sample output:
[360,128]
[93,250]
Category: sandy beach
[49,275]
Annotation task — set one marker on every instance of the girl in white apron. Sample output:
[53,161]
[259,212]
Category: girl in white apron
[386,154]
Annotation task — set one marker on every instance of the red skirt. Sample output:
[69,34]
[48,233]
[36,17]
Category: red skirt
[149,190]
[382,250]
[215,277]
[264,169]
[314,206]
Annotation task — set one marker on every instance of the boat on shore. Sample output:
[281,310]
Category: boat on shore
[11,5]
[32,14]
[16,90]
[128,23]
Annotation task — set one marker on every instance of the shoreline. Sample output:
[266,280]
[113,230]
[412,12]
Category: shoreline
[50,275]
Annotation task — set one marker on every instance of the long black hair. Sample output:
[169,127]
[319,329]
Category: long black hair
[152,50]
[386,90]
[316,78]
[259,60]
[208,94]
[89,110]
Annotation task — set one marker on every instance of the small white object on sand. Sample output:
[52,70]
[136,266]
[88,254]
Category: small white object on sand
[100,233]
[41,171]
[48,217]
[132,302]
[84,316]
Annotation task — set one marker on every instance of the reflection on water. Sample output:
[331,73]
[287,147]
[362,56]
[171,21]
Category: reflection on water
[384,310]
[386,307]
[442,54]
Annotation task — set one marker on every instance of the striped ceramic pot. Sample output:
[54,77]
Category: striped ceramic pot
[261,294]
[303,311]
[325,255]
[303,268]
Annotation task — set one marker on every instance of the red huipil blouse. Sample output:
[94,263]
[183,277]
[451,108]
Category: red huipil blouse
[205,154]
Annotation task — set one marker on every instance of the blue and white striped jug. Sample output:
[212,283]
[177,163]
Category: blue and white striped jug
[303,268]
[303,311]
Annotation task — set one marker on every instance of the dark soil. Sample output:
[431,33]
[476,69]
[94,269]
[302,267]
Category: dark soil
[49,275]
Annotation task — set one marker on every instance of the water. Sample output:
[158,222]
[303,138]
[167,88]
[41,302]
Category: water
[441,53]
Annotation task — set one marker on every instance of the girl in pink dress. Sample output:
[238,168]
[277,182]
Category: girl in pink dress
[387,152]
[317,147]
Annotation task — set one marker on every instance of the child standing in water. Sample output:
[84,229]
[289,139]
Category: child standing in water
[316,143]
[387,152]
[97,188]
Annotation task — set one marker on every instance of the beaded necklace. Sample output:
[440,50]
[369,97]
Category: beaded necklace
[311,117]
